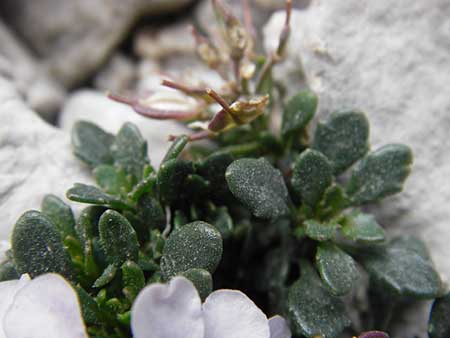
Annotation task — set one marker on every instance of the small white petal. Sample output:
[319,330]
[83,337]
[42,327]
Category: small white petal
[231,314]
[8,290]
[46,307]
[279,328]
[170,310]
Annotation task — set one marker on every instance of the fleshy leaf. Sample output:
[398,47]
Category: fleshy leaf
[130,150]
[320,231]
[171,179]
[403,272]
[84,193]
[343,139]
[213,169]
[176,148]
[311,176]
[106,277]
[380,174]
[298,112]
[202,281]
[259,186]
[118,238]
[337,269]
[333,202]
[112,180]
[60,214]
[133,279]
[91,144]
[361,227]
[313,310]
[194,245]
[37,247]
[439,324]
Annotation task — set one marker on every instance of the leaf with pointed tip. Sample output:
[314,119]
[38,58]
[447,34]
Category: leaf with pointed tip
[171,179]
[112,180]
[37,247]
[380,174]
[337,269]
[129,151]
[202,281]
[298,112]
[133,280]
[259,186]
[194,245]
[439,323]
[106,277]
[118,238]
[60,214]
[311,176]
[91,144]
[320,231]
[343,139]
[176,148]
[84,193]
[363,228]
[403,272]
[313,310]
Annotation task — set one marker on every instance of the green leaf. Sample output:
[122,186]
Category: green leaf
[343,139]
[194,245]
[202,280]
[313,310]
[363,228]
[60,214]
[107,276]
[118,238]
[112,180]
[439,324]
[319,231]
[91,144]
[213,169]
[133,280]
[333,202]
[8,271]
[37,247]
[176,148]
[89,194]
[337,269]
[152,212]
[222,220]
[380,174]
[413,244]
[311,176]
[89,307]
[130,150]
[403,272]
[298,112]
[171,179]
[259,186]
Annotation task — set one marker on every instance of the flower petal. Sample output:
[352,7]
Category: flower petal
[8,290]
[168,310]
[46,307]
[230,313]
[279,328]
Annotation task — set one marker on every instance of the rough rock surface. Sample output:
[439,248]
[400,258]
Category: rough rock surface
[75,37]
[35,159]
[392,60]
[94,106]
[16,62]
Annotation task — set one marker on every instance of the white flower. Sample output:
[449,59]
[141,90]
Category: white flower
[174,310]
[45,307]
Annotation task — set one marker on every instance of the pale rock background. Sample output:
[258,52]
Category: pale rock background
[390,59]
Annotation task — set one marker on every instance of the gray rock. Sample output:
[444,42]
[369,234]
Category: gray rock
[117,75]
[94,106]
[392,60]
[40,92]
[35,159]
[75,37]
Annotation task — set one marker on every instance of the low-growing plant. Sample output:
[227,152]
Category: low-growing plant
[278,214]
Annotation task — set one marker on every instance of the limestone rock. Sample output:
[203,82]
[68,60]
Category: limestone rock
[35,159]
[75,37]
[392,60]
